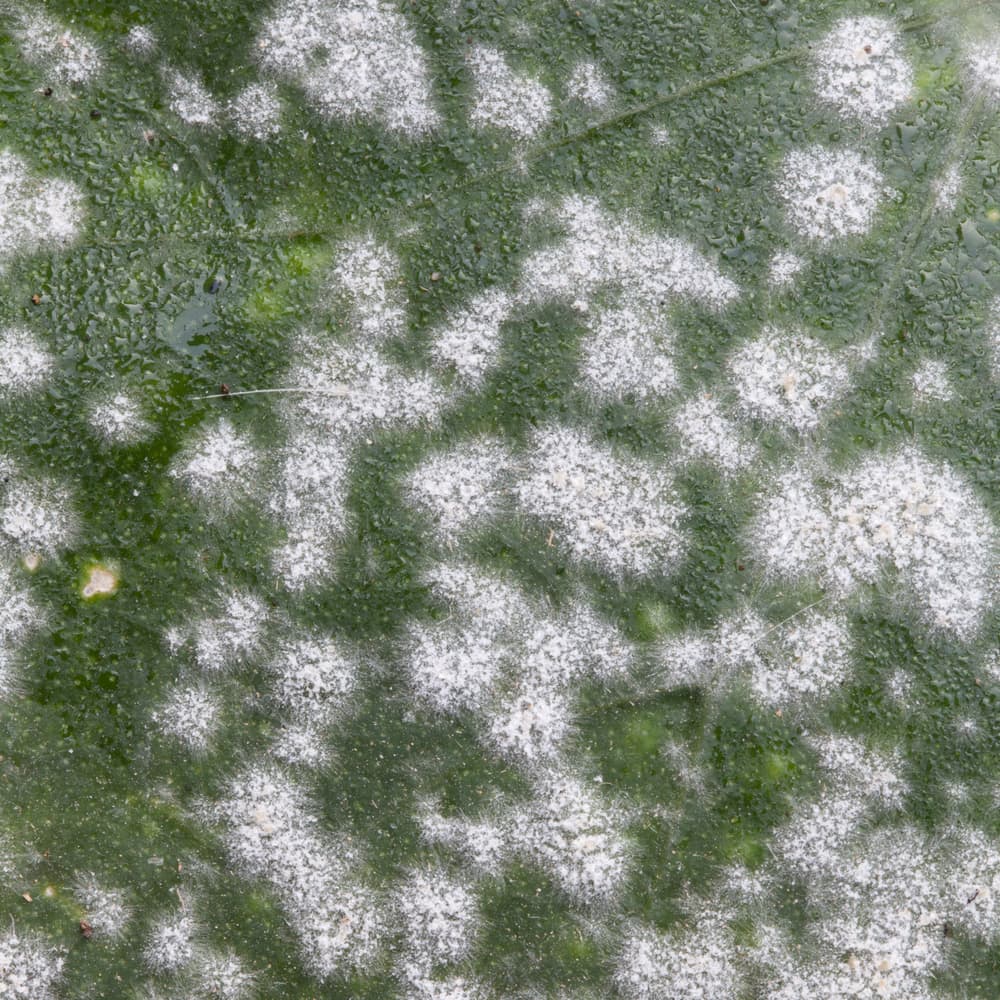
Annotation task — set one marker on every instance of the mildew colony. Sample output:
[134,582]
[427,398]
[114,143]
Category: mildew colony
[500,500]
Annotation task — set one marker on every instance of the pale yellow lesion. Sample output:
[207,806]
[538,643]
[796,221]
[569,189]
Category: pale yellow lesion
[100,581]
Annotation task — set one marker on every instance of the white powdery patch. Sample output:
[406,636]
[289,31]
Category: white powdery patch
[231,638]
[221,976]
[947,188]
[273,834]
[106,910]
[830,193]
[439,917]
[302,745]
[971,884]
[256,112]
[469,340]
[35,516]
[629,354]
[118,420]
[787,378]
[219,465]
[587,84]
[504,99]
[811,660]
[622,514]
[709,436]
[29,968]
[366,274]
[898,510]
[575,837]
[140,40]
[984,66]
[483,843]
[930,382]
[190,101]
[861,71]
[420,986]
[531,723]
[461,488]
[36,212]
[171,944]
[25,364]
[712,658]
[783,268]
[313,678]
[65,55]
[353,59]
[18,613]
[701,965]
[189,715]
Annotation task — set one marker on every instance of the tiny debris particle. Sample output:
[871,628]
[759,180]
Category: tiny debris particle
[46,92]
[95,114]
[36,299]
[224,389]
[435,276]
[26,896]
[86,930]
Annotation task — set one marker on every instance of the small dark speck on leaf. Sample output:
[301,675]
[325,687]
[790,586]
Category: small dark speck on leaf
[215,287]
[223,389]
[95,114]
[86,930]
[46,92]
[36,299]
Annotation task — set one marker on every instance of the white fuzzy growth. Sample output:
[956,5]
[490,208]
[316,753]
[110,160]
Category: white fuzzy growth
[18,613]
[709,436]
[256,112]
[931,383]
[783,268]
[629,354]
[993,336]
[118,420]
[273,834]
[420,986]
[701,965]
[232,637]
[313,679]
[65,55]
[619,513]
[29,969]
[983,60]
[830,193]
[190,101]
[787,378]
[439,918]
[860,69]
[140,40]
[573,835]
[107,911]
[189,715]
[587,84]
[531,723]
[483,843]
[899,510]
[302,745]
[171,945]
[947,188]
[221,976]
[469,340]
[25,364]
[810,661]
[218,465]
[504,99]
[366,274]
[35,516]
[36,212]
[461,488]
[353,59]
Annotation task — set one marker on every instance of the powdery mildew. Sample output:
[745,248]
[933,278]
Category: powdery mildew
[931,383]
[469,340]
[106,910]
[619,513]
[35,515]
[461,488]
[947,188]
[29,968]
[699,965]
[439,918]
[256,112]
[860,69]
[312,678]
[483,843]
[220,975]
[171,945]
[707,435]
[353,59]
[231,637]
[586,83]
[25,364]
[983,61]
[830,193]
[898,510]
[273,834]
[118,420]
[505,99]
[64,55]
[190,100]
[788,378]
[189,715]
[367,275]
[36,212]
[784,267]
[219,465]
